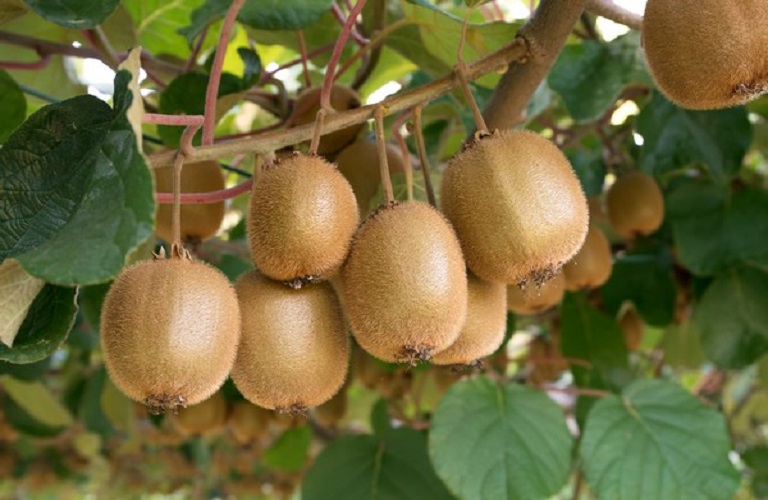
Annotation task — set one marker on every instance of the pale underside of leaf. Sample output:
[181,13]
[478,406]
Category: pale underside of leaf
[18,290]
[136,112]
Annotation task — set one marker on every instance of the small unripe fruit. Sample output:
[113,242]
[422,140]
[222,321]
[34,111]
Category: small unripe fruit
[632,327]
[635,205]
[536,299]
[199,222]
[592,266]
[169,332]
[308,104]
[516,205]
[303,214]
[294,350]
[405,283]
[483,330]
[248,422]
[707,54]
[202,418]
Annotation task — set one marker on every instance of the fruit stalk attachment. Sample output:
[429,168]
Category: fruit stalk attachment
[318,131]
[330,71]
[386,182]
[461,73]
[415,128]
[185,148]
[404,152]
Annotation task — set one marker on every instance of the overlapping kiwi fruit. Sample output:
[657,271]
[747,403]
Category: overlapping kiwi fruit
[294,348]
[634,205]
[592,265]
[247,422]
[536,299]
[707,54]
[202,418]
[516,205]
[169,331]
[405,284]
[308,104]
[303,214]
[199,222]
[483,330]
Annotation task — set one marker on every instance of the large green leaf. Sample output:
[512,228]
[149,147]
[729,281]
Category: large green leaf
[587,161]
[490,441]
[259,14]
[76,190]
[715,230]
[592,336]
[733,318]
[45,327]
[13,103]
[591,75]
[643,276]
[75,14]
[158,22]
[681,345]
[657,441]
[289,451]
[390,465]
[756,459]
[676,137]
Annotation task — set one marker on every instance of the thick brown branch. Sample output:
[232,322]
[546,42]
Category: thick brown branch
[617,14]
[546,33]
[279,139]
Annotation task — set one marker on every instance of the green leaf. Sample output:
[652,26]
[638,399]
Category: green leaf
[643,275]
[259,14]
[391,466]
[715,230]
[762,372]
[23,422]
[590,335]
[37,401]
[75,14]
[28,372]
[78,190]
[675,138]
[91,298]
[13,103]
[289,451]
[682,346]
[11,9]
[587,161]
[17,291]
[45,327]
[590,76]
[90,410]
[158,22]
[756,459]
[733,318]
[657,441]
[490,441]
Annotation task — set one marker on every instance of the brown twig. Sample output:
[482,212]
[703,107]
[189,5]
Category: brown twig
[617,14]
[423,157]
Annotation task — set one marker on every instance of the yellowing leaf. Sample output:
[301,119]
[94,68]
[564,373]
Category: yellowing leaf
[135,113]
[35,399]
[17,291]
[11,9]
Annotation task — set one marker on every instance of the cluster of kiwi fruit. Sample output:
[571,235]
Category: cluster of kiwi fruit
[707,54]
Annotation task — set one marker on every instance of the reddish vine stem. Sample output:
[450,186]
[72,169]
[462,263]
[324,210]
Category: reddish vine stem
[184,120]
[304,58]
[209,197]
[576,391]
[176,221]
[461,74]
[376,41]
[32,65]
[192,59]
[399,122]
[310,55]
[215,79]
[423,158]
[339,15]
[386,182]
[325,95]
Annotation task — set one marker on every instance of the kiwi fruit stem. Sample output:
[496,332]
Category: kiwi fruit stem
[386,182]
[423,158]
[318,132]
[461,72]
[176,221]
[404,153]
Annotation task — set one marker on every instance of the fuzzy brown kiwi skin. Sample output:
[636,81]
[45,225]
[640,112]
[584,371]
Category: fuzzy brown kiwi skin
[707,54]
[359,163]
[405,284]
[199,222]
[303,214]
[203,418]
[169,332]
[516,205]
[308,104]
[294,349]
[247,422]
[634,205]
[484,328]
[592,266]
[536,299]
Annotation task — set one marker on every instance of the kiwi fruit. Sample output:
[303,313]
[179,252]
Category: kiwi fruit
[308,104]
[330,413]
[592,266]
[632,327]
[545,361]
[396,383]
[359,163]
[516,205]
[634,205]
[707,54]
[199,222]
[534,299]
[294,349]
[483,330]
[247,422]
[169,332]
[366,368]
[202,418]
[405,284]
[303,214]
